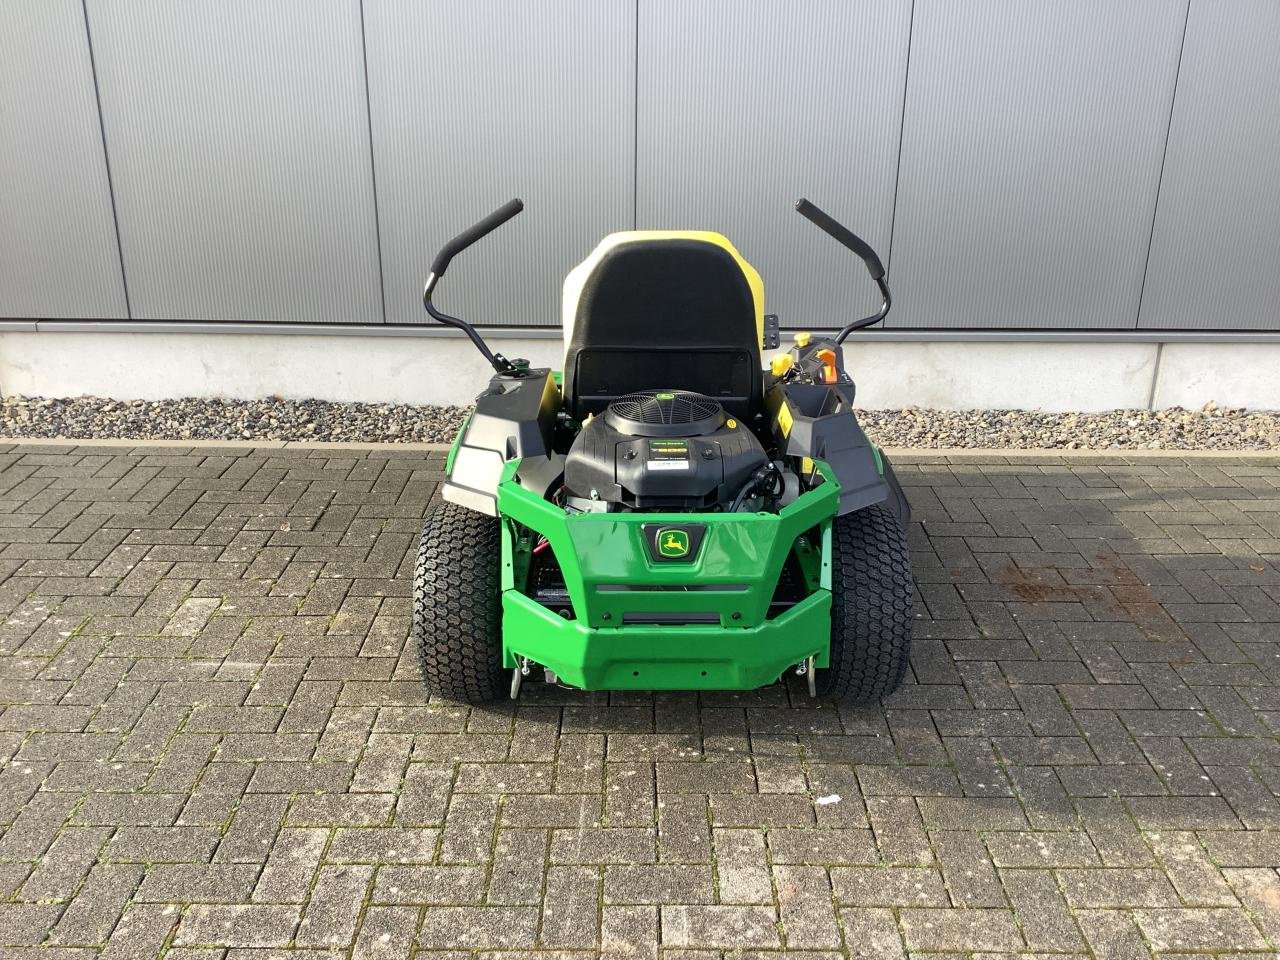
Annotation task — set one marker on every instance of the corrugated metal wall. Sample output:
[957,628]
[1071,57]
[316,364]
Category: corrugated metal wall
[58,253]
[1045,164]
[1215,250]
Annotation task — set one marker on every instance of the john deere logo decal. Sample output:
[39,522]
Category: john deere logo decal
[673,544]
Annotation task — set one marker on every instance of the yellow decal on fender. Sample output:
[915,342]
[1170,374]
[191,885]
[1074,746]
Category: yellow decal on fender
[784,419]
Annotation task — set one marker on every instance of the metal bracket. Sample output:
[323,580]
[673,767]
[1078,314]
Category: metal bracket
[517,675]
[772,332]
[808,669]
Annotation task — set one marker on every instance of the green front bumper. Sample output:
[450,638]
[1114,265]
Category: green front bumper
[695,657]
[612,578]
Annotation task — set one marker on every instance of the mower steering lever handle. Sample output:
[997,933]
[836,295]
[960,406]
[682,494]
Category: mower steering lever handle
[450,250]
[469,236]
[842,235]
[847,238]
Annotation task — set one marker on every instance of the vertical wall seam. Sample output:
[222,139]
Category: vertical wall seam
[1155,376]
[1164,156]
[902,132]
[373,171]
[635,123]
[106,159]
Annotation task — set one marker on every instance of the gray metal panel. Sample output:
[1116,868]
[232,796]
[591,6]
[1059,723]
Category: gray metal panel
[1215,253]
[239,147]
[744,108]
[475,103]
[58,254]
[1030,160]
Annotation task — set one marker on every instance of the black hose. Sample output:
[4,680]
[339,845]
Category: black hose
[767,472]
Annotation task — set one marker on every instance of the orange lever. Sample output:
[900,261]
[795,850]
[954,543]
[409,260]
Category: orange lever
[829,372]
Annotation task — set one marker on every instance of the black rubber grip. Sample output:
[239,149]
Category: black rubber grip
[469,236]
[843,235]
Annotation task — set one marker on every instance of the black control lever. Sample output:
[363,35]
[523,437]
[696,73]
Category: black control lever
[478,232]
[850,240]
[441,263]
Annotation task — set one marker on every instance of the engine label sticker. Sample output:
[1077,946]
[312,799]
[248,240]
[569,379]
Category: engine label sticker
[668,455]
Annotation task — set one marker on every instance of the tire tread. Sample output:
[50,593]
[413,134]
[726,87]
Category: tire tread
[871,599]
[457,604]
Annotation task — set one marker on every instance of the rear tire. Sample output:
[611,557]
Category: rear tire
[871,591]
[457,604]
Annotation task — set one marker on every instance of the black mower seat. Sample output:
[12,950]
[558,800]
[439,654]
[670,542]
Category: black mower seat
[663,310]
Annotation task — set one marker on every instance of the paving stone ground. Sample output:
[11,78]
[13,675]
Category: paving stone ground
[215,742]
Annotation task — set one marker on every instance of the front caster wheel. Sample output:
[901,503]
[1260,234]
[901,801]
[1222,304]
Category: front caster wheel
[457,605]
[870,607]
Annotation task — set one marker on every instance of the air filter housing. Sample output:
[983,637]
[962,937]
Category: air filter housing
[665,413]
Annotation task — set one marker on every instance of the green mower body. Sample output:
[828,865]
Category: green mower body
[650,522]
[722,628]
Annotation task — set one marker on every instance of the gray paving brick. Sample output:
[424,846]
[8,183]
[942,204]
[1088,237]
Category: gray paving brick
[482,928]
[1043,913]
[215,744]
[27,924]
[684,829]
[719,926]
[571,910]
[1197,879]
[1259,890]
[594,845]
[386,933]
[967,870]
[333,911]
[142,932]
[197,883]
[1199,929]
[240,926]
[659,883]
[951,929]
[806,907]
[1042,849]
[823,846]
[98,904]
[630,931]
[426,884]
[1120,887]
[889,886]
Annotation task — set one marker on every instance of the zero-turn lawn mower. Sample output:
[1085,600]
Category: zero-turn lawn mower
[668,513]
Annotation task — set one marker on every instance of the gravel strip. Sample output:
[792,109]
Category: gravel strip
[274,419]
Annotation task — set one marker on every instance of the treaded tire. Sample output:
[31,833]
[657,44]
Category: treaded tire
[870,607]
[457,606]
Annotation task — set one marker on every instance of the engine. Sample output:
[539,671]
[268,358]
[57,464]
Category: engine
[661,450]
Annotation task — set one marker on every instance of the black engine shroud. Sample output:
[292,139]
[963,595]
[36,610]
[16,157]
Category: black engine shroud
[662,450]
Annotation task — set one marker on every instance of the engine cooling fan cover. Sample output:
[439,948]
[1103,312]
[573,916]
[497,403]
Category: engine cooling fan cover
[665,413]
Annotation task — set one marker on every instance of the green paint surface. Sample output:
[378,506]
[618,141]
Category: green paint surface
[610,574]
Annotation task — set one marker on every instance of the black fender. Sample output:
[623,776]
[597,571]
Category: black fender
[817,421]
[514,418]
